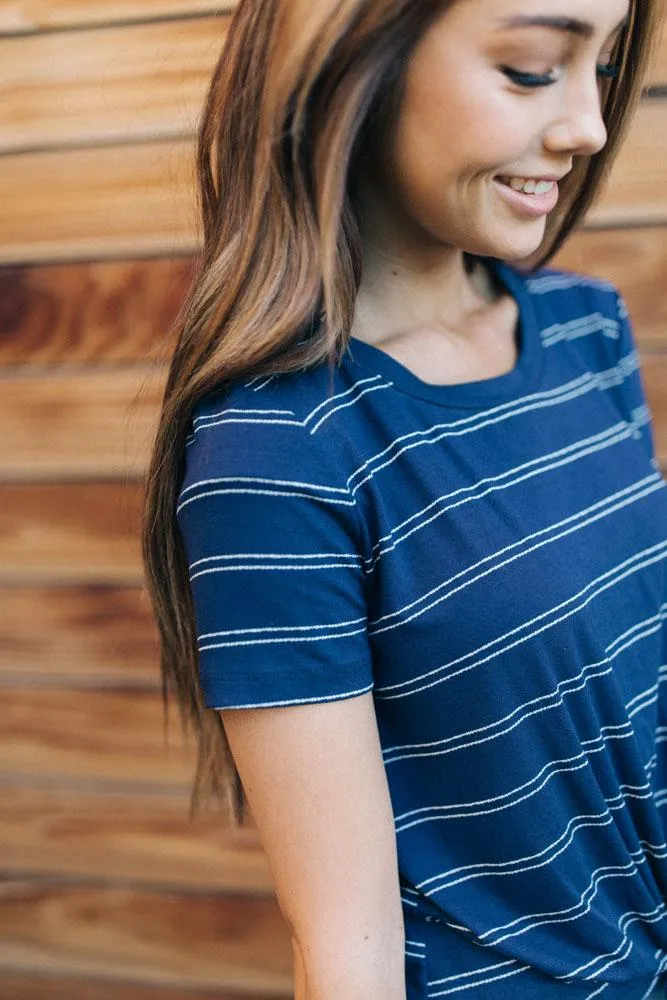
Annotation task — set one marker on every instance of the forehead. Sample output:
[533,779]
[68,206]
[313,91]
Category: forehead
[582,19]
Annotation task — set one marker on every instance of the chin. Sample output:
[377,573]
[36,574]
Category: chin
[525,245]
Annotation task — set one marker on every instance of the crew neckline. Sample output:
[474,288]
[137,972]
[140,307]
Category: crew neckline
[524,376]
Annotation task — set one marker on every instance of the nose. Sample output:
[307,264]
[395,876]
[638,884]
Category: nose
[578,128]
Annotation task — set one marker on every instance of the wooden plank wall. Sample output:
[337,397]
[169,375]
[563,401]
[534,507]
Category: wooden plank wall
[107,890]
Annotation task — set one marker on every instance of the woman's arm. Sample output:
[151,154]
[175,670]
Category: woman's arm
[316,785]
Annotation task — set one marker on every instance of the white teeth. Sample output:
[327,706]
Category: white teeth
[529,186]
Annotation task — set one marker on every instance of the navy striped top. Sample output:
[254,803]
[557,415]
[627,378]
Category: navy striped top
[487,558]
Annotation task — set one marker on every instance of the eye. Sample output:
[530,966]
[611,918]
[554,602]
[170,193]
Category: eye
[605,70]
[528,79]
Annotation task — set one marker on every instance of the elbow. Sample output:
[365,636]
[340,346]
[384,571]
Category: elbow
[371,965]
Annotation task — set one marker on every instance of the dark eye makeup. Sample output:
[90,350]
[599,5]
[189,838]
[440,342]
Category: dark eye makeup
[605,70]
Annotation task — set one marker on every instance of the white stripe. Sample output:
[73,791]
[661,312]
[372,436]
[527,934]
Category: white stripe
[582,326]
[290,629]
[472,423]
[243,420]
[343,406]
[352,561]
[541,918]
[559,282]
[539,466]
[276,555]
[650,626]
[353,390]
[545,857]
[587,382]
[273,482]
[624,947]
[598,992]
[501,727]
[521,793]
[460,976]
[611,577]
[576,521]
[479,982]
[205,417]
[275,568]
[270,493]
[266,382]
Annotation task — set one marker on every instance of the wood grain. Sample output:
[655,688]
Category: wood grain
[637,192]
[27,986]
[40,15]
[119,836]
[116,84]
[122,311]
[89,425]
[188,940]
[70,533]
[93,312]
[140,199]
[106,85]
[108,202]
[96,635]
[116,738]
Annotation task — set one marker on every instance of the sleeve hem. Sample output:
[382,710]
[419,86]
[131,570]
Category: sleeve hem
[315,699]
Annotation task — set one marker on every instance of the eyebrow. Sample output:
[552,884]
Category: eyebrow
[583,29]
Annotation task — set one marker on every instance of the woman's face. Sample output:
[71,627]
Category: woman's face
[487,96]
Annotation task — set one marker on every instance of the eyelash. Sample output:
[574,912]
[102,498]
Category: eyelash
[605,70]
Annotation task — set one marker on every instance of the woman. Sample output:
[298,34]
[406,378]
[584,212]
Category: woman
[405,529]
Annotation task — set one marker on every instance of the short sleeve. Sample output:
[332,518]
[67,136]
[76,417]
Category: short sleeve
[636,407]
[277,573]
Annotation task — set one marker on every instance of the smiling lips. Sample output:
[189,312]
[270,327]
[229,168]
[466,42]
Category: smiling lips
[539,201]
[528,184]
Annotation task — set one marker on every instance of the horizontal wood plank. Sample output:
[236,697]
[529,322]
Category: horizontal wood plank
[28,986]
[111,85]
[112,311]
[140,199]
[92,312]
[193,939]
[114,737]
[637,192]
[143,81]
[40,15]
[94,635]
[89,425]
[117,836]
[112,201]
[70,533]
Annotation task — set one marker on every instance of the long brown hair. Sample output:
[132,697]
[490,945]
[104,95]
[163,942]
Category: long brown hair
[300,95]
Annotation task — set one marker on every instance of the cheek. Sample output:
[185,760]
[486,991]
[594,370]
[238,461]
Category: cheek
[447,130]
